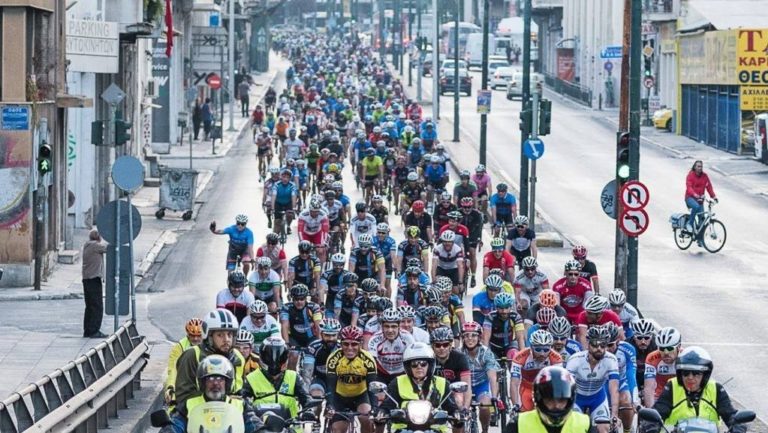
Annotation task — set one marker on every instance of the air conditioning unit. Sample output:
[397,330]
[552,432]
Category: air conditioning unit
[153,88]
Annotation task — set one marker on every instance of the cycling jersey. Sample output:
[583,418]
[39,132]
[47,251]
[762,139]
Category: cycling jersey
[275,253]
[482,305]
[412,249]
[268,328]
[521,243]
[237,305]
[332,210]
[628,315]
[412,192]
[482,183]
[503,331]
[316,356]
[460,190]
[263,288]
[660,371]
[605,317]
[440,214]
[389,354]
[590,382]
[506,261]
[386,246]
[626,358]
[447,259]
[366,263]
[300,322]
[434,173]
[480,364]
[572,297]
[525,367]
[571,346]
[380,214]
[473,220]
[461,232]
[359,225]
[333,283]
[348,306]
[303,270]
[504,204]
[313,229]
[455,366]
[588,270]
[293,148]
[641,356]
[531,287]
[351,373]
[284,193]
[371,325]
[401,174]
[239,238]
[371,166]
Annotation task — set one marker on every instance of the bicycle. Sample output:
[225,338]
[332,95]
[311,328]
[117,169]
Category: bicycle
[503,391]
[709,230]
[349,417]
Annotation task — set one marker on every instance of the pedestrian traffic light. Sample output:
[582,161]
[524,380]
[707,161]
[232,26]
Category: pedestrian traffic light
[525,119]
[647,67]
[44,158]
[622,156]
[545,117]
[97,132]
[122,130]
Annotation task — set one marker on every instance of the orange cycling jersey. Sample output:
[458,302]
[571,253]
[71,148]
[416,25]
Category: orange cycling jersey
[525,368]
[656,368]
[281,128]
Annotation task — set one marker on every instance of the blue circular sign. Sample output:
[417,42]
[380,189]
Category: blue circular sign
[533,148]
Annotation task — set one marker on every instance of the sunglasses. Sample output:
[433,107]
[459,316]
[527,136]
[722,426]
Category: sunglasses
[598,345]
[687,373]
[667,349]
[441,345]
[258,316]
[572,274]
[471,335]
[492,289]
[644,337]
[529,269]
[541,349]
[419,364]
[241,224]
[350,344]
[521,227]
[559,338]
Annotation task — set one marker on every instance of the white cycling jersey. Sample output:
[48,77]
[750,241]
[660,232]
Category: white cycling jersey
[629,314]
[332,210]
[312,225]
[373,326]
[447,259]
[359,226]
[389,354]
[590,381]
[531,286]
[293,148]
[263,288]
[260,333]
[420,335]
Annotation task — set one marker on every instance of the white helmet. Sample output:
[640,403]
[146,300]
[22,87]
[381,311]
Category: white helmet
[412,176]
[219,320]
[521,220]
[406,312]
[241,219]
[390,315]
[418,350]
[617,297]
[596,304]
[541,338]
[257,307]
[448,236]
[668,337]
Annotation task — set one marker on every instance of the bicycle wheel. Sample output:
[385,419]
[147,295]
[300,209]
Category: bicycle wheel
[683,238]
[714,236]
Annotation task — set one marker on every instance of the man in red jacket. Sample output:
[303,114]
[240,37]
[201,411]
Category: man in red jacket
[696,184]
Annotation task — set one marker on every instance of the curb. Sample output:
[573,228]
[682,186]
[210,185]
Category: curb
[149,259]
[40,297]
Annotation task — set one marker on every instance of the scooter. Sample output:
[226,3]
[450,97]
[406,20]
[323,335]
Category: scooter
[418,415]
[692,425]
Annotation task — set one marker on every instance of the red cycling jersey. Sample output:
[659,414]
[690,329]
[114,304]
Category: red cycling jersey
[504,262]
[607,316]
[572,297]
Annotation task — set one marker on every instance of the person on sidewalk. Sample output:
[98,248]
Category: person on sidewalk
[697,184]
[207,113]
[93,269]
[243,89]
[197,118]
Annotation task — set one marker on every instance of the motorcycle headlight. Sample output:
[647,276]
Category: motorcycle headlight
[419,411]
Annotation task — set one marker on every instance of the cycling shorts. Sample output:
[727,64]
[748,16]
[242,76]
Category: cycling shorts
[280,209]
[506,219]
[453,274]
[596,405]
[480,389]
[315,239]
[263,151]
[369,180]
[349,404]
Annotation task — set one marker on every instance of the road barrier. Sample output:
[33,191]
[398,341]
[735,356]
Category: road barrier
[575,91]
[82,395]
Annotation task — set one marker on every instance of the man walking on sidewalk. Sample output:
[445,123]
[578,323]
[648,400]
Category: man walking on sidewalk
[93,269]
[242,90]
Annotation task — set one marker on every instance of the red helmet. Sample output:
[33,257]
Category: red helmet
[352,333]
[579,252]
[418,206]
[471,327]
[545,315]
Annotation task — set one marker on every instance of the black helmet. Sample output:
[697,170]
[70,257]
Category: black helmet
[414,262]
[441,334]
[553,383]
[330,194]
[273,238]
[274,355]
[501,187]
[694,358]
[599,334]
[236,279]
[382,304]
[360,207]
[370,285]
[305,247]
[350,279]
[299,291]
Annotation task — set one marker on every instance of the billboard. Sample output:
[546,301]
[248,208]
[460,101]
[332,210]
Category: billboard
[752,69]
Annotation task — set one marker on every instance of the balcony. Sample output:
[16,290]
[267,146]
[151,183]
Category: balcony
[661,10]
[546,4]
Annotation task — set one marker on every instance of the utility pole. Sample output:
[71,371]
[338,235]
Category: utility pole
[410,41]
[456,86]
[435,59]
[401,45]
[382,39]
[484,85]
[422,45]
[395,32]
[634,141]
[231,78]
[525,126]
[536,93]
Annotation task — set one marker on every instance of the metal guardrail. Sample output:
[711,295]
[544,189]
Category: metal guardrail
[82,395]
[575,91]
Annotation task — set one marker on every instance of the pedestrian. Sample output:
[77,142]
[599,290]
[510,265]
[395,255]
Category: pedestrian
[207,118]
[93,268]
[697,184]
[197,117]
[242,90]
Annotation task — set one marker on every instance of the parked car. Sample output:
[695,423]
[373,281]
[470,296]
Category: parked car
[662,119]
[448,65]
[501,76]
[515,85]
[465,82]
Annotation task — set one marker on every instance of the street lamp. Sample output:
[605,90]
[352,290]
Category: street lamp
[456,86]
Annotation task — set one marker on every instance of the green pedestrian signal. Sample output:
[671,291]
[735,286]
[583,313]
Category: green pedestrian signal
[44,159]
[122,131]
[545,117]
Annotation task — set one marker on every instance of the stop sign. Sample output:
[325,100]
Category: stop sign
[214,81]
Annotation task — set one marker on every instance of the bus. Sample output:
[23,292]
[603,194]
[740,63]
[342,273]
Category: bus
[447,36]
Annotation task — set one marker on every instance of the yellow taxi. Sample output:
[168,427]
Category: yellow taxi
[662,119]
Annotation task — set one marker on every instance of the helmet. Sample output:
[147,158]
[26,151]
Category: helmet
[553,382]
[448,236]
[364,240]
[494,281]
[464,174]
[330,195]
[529,262]
[257,307]
[382,228]
[338,258]
[432,296]
[668,337]
[236,279]
[305,247]
[694,358]
[382,303]
[244,337]
[545,315]
[299,291]
[501,187]
[503,300]
[219,320]
[414,261]
[521,220]
[406,312]
[330,325]
[390,315]
[617,298]
[480,168]
[419,351]
[274,355]
[263,262]
[314,204]
[643,328]
[413,231]
[377,198]
[412,270]
[412,176]
[273,239]
[596,304]
[598,333]
[541,338]
[572,265]
[579,252]
[467,202]
[441,334]
[418,206]
[443,284]
[454,215]
[350,279]
[351,333]
[241,219]
[274,170]
[337,185]
[215,365]
[549,298]
[360,207]
[432,313]
[445,196]
[560,327]
[194,327]
[613,331]
[369,285]
[471,326]
[497,244]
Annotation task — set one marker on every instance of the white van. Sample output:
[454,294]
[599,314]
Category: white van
[474,50]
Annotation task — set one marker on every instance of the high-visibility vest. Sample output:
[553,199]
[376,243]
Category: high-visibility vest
[530,422]
[229,411]
[406,393]
[681,410]
[264,391]
[237,384]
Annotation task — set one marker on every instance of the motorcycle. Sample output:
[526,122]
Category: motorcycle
[691,425]
[276,420]
[209,417]
[418,415]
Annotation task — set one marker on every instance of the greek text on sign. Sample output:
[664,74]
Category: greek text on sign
[752,64]
[634,195]
[634,222]
[92,46]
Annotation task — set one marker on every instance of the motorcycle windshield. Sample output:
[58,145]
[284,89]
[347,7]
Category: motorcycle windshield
[697,425]
[215,417]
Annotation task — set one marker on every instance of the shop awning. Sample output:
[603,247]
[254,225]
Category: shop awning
[731,14]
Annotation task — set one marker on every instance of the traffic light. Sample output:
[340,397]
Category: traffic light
[44,159]
[622,157]
[525,119]
[97,132]
[647,67]
[545,116]
[122,130]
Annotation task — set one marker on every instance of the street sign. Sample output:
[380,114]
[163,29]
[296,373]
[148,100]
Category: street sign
[128,173]
[608,66]
[648,82]
[608,199]
[214,81]
[611,52]
[113,94]
[634,195]
[634,222]
[654,103]
[533,148]
[15,118]
[484,101]
[648,51]
[105,221]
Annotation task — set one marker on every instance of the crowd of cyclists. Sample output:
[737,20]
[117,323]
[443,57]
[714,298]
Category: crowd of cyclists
[378,288]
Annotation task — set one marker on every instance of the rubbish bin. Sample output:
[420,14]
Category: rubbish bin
[178,187]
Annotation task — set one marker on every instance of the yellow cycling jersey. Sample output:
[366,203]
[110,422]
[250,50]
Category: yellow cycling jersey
[351,373]
[372,166]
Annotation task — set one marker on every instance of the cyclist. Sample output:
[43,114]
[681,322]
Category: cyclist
[334,209]
[543,317]
[697,185]
[428,135]
[548,298]
[460,231]
[450,302]
[332,282]
[349,370]
[347,305]
[499,258]
[441,211]
[562,342]
[503,208]
[314,227]
[484,188]
[275,253]
[421,219]
[263,151]
[464,188]
[300,318]
[529,284]
[588,267]
[388,345]
[372,172]
[473,220]
[484,368]
[482,302]
[411,192]
[573,290]
[366,261]
[244,344]
[284,201]
[627,360]
[240,242]
[416,153]
[410,292]
[266,197]
[503,328]
[194,331]
[593,369]
[292,147]
[399,177]
[265,284]
[596,313]
[304,269]
[260,324]
[643,336]
[448,260]
[626,312]
[413,247]
[432,317]
[378,210]
[526,365]
[660,364]
[407,320]
[235,298]
[362,223]
[450,363]
[317,354]
[435,176]
[521,242]
[387,246]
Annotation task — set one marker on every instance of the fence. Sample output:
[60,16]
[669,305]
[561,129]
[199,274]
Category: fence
[575,91]
[82,395]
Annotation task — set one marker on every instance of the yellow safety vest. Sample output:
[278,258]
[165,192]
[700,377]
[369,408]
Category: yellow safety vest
[264,391]
[173,358]
[237,384]
[406,392]
[216,414]
[530,422]
[681,410]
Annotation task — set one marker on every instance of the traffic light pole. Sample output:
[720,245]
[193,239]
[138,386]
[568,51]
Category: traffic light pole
[525,126]
[536,94]
[484,85]
[435,59]
[423,43]
[410,41]
[456,86]
[634,142]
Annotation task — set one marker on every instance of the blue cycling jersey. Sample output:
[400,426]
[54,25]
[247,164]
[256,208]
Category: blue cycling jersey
[385,246]
[345,201]
[503,205]
[239,237]
[428,135]
[482,303]
[424,279]
[434,173]
[283,192]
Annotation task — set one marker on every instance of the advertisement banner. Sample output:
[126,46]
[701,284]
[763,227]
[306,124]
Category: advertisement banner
[483,101]
[708,58]
[565,65]
[752,69]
